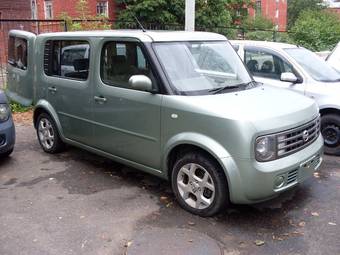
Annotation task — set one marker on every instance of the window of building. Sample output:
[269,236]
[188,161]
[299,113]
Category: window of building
[68,59]
[258,7]
[102,8]
[17,52]
[120,61]
[265,64]
[48,9]
[34,9]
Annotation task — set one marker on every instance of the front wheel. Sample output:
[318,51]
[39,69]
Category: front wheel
[330,130]
[48,134]
[199,184]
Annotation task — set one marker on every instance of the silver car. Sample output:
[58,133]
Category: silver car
[298,69]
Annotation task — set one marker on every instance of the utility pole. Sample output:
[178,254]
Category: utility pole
[189,15]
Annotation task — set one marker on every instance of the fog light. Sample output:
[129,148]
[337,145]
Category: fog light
[279,181]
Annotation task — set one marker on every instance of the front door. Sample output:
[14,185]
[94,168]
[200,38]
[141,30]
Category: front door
[267,66]
[68,81]
[127,121]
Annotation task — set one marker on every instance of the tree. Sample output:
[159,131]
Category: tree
[317,30]
[295,7]
[209,13]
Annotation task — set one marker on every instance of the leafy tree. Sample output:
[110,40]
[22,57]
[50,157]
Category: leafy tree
[295,7]
[317,30]
[209,13]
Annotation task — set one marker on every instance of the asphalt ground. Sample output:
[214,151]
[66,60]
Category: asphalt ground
[79,203]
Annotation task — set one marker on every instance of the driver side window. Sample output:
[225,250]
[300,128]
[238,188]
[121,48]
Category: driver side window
[265,64]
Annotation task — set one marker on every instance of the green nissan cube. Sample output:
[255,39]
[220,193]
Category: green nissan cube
[178,105]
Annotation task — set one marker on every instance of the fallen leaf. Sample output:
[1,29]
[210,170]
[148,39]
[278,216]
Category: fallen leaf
[190,241]
[316,175]
[315,214]
[191,223]
[332,223]
[302,224]
[259,242]
[168,204]
[128,244]
[82,217]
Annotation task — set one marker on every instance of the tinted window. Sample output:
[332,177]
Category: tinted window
[120,61]
[69,59]
[265,64]
[17,52]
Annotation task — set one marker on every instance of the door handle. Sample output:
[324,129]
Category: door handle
[100,99]
[52,89]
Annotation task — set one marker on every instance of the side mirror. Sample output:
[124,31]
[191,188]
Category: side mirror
[289,77]
[140,82]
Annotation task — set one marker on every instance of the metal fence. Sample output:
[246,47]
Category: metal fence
[45,26]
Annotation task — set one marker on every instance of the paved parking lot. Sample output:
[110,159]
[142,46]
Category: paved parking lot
[79,203]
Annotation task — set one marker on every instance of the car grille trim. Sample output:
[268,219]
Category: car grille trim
[292,140]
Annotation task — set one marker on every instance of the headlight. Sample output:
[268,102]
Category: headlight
[265,148]
[4,112]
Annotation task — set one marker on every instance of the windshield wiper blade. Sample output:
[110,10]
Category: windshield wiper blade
[220,89]
[245,85]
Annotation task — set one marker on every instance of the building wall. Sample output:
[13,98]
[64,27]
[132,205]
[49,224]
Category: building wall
[275,10]
[69,6]
[12,9]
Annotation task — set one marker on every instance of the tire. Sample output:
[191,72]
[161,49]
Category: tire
[330,130]
[6,154]
[187,180]
[48,134]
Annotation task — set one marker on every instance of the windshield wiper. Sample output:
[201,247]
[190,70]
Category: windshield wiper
[247,85]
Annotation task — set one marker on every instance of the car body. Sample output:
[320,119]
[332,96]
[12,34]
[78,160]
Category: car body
[333,59]
[7,129]
[179,105]
[298,69]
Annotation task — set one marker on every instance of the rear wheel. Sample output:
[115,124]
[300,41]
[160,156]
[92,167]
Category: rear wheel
[48,134]
[199,184]
[330,129]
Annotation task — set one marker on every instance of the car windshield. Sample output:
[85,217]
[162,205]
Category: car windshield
[314,65]
[203,67]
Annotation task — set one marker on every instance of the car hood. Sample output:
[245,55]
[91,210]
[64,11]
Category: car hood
[268,109]
[3,98]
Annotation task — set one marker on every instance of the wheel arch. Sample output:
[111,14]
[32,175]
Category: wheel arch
[329,110]
[44,106]
[194,142]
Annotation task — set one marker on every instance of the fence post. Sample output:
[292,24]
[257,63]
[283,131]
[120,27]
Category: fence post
[274,35]
[65,25]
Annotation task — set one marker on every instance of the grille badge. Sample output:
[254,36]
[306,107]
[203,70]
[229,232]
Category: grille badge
[305,135]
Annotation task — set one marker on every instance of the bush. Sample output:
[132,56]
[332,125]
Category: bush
[316,30]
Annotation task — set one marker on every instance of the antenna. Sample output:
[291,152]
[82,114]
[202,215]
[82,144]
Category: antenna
[136,19]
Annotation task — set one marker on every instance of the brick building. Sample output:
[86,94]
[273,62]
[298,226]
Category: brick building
[275,10]
[52,9]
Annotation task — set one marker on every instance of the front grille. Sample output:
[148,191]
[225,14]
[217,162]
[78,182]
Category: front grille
[295,139]
[292,176]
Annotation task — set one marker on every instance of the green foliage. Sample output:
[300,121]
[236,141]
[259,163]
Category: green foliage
[258,22]
[83,14]
[209,13]
[296,7]
[316,30]
[15,107]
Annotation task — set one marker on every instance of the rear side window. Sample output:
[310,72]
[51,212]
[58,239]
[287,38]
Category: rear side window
[17,52]
[120,61]
[67,58]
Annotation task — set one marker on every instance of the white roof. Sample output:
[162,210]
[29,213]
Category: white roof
[275,45]
[148,36]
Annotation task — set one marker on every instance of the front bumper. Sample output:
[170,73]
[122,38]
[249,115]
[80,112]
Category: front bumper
[7,136]
[251,181]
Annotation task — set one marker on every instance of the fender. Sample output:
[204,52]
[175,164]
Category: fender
[46,106]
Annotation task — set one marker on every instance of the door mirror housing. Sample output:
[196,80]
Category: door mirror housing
[140,82]
[289,77]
